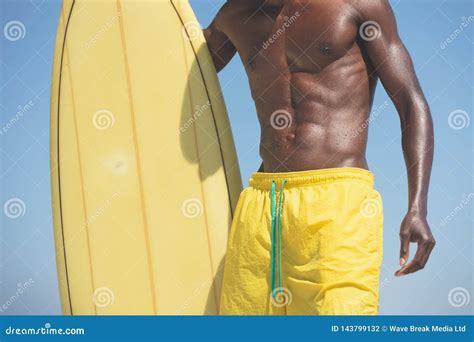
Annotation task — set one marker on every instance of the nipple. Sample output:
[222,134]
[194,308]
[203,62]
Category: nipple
[325,49]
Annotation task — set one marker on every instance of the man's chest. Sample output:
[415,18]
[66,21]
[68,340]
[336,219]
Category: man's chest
[301,38]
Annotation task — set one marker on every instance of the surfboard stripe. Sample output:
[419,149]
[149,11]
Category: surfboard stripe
[138,158]
[58,151]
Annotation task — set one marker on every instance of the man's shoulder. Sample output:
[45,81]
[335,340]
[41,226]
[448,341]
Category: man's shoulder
[370,8]
[223,14]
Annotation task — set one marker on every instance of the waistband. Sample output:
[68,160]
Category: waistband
[263,180]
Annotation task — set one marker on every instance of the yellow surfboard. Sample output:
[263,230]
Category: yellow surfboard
[144,171]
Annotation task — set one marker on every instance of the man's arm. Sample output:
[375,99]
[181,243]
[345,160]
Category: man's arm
[221,48]
[395,68]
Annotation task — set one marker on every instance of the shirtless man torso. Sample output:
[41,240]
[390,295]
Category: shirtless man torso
[313,66]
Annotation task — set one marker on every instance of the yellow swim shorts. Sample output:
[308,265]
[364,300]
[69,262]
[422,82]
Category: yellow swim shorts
[308,243]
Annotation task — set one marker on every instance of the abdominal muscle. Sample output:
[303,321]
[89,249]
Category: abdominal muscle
[312,121]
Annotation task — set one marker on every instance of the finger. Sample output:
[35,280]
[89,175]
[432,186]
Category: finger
[427,254]
[413,265]
[419,261]
[404,248]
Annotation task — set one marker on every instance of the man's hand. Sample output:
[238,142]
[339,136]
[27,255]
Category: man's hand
[221,48]
[414,228]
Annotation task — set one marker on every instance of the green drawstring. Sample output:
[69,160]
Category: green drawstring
[276,223]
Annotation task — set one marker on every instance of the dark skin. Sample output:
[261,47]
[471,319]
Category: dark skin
[313,85]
